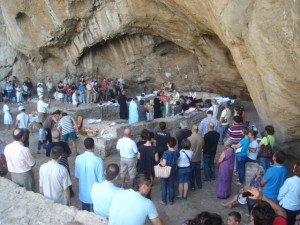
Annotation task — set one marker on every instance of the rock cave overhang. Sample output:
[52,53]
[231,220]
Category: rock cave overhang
[226,52]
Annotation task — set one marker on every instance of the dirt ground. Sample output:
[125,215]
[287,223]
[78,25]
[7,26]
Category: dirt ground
[198,201]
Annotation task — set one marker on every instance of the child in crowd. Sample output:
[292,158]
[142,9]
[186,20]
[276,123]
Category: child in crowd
[234,218]
[41,137]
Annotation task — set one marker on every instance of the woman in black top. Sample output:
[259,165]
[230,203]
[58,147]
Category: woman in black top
[147,156]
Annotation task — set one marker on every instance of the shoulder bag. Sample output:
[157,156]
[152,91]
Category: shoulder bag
[266,151]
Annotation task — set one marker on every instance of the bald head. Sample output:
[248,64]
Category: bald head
[127,132]
[211,126]
[55,134]
[18,134]
[195,128]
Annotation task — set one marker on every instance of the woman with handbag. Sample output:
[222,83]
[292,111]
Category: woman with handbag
[266,146]
[169,158]
[184,169]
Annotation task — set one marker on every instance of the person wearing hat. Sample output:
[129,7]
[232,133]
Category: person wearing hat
[22,121]
[42,108]
[40,89]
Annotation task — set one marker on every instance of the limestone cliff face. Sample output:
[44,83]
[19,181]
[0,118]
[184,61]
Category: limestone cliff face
[248,48]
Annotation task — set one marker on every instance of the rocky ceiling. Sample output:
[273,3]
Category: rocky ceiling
[248,48]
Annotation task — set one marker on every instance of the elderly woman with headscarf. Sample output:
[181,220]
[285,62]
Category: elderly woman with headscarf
[226,165]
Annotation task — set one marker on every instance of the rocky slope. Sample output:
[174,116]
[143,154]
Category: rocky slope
[247,48]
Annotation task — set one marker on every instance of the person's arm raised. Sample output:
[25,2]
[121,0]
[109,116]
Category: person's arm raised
[257,195]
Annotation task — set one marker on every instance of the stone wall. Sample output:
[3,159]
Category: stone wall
[107,146]
[18,206]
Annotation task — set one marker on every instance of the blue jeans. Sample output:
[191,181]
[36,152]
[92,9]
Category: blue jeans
[9,96]
[41,144]
[223,130]
[82,97]
[87,206]
[209,166]
[195,175]
[166,183]
[241,160]
[264,162]
[68,98]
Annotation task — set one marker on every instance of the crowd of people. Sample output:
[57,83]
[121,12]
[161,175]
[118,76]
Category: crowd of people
[69,91]
[272,197]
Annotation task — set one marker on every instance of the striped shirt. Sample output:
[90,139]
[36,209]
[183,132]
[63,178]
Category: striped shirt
[235,133]
[67,124]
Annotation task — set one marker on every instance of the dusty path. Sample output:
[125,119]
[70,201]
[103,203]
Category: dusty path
[198,201]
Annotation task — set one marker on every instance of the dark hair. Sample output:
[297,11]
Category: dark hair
[18,134]
[237,119]
[140,179]
[177,102]
[263,213]
[111,171]
[142,102]
[280,156]
[296,170]
[216,219]
[270,130]
[40,123]
[204,218]
[209,112]
[171,142]
[144,134]
[56,112]
[151,135]
[89,143]
[245,130]
[236,215]
[162,125]
[186,144]
[56,152]
[253,133]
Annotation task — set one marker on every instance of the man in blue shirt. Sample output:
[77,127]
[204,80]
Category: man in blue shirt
[88,170]
[130,207]
[102,193]
[274,177]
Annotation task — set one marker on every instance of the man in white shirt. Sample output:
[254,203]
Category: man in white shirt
[214,108]
[22,121]
[128,150]
[54,179]
[20,161]
[42,108]
[224,122]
